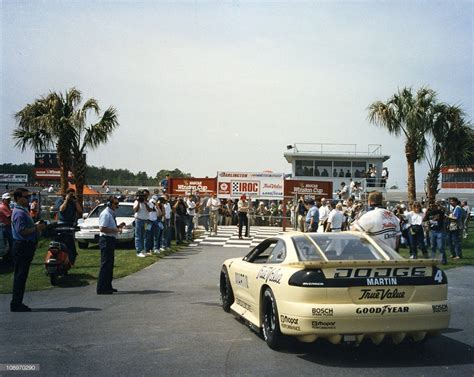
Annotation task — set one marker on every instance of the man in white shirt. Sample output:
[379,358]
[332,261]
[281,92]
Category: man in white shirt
[379,223]
[323,215]
[190,213]
[335,219]
[214,205]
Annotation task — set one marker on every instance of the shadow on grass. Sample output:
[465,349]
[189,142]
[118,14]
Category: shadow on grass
[71,309]
[6,267]
[75,280]
[144,292]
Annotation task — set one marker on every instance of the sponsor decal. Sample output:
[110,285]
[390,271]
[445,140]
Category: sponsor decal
[324,325]
[441,308]
[382,310]
[243,304]
[289,323]
[380,272]
[322,312]
[381,294]
[241,279]
[270,274]
[382,281]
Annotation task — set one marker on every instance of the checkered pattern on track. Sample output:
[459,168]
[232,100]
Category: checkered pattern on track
[228,236]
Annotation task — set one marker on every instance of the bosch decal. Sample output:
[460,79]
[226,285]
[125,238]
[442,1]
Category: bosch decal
[322,312]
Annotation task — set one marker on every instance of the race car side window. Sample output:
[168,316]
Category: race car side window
[278,254]
[261,252]
[305,249]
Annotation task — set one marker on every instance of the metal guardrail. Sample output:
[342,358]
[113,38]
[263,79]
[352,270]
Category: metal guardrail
[330,148]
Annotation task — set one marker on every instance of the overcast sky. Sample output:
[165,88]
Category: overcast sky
[210,86]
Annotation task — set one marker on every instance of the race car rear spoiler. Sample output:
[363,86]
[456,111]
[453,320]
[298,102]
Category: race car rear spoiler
[310,265]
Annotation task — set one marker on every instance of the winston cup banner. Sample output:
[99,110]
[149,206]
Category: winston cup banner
[254,185]
[185,186]
[308,189]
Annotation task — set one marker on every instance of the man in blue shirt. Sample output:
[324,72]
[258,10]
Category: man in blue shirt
[312,217]
[25,237]
[108,234]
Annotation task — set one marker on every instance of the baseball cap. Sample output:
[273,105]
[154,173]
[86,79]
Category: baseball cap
[6,196]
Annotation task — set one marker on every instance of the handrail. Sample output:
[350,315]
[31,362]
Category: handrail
[327,148]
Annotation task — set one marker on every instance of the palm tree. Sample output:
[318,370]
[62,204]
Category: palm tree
[451,142]
[407,114]
[47,124]
[89,137]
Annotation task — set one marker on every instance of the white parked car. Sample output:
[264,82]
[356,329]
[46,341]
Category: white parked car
[89,232]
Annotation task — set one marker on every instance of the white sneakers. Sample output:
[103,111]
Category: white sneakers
[162,249]
[141,255]
[156,251]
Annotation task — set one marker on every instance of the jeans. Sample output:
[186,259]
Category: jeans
[23,252]
[150,235]
[437,240]
[213,215]
[157,241]
[416,239]
[180,228]
[243,220]
[454,242]
[166,233]
[189,227]
[107,259]
[139,235]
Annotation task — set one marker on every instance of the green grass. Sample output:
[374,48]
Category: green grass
[86,270]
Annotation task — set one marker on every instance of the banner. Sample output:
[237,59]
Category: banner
[53,174]
[183,186]
[268,186]
[13,178]
[308,189]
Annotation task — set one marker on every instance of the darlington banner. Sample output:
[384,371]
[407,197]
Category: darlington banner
[268,186]
[183,186]
[308,189]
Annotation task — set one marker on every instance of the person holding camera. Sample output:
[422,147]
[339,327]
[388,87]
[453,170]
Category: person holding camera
[141,209]
[25,238]
[180,211]
[69,210]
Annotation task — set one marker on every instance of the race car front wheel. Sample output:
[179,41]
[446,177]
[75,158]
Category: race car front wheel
[227,295]
[271,324]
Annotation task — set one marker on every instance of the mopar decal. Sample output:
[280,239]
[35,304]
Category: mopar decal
[380,272]
[241,279]
[243,304]
[289,323]
[440,308]
[323,325]
[270,274]
[381,294]
[386,309]
[322,312]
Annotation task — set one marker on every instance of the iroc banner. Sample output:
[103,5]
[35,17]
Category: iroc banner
[262,185]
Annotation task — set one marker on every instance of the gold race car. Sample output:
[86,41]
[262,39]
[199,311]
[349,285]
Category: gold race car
[340,286]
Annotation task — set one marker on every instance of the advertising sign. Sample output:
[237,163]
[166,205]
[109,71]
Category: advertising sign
[183,186]
[13,178]
[255,185]
[52,174]
[308,189]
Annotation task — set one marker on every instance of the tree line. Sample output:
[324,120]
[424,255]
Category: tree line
[97,175]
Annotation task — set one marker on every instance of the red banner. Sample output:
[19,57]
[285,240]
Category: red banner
[183,186]
[51,174]
[308,189]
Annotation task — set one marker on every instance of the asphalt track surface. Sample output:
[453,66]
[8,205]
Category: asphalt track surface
[167,321]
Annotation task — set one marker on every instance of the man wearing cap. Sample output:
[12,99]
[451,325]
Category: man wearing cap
[243,208]
[6,220]
[25,237]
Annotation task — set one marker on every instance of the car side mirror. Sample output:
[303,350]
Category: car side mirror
[84,215]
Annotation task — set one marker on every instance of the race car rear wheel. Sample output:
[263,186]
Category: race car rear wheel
[270,323]
[227,295]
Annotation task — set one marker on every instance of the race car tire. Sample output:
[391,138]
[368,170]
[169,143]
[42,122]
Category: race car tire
[270,322]
[227,295]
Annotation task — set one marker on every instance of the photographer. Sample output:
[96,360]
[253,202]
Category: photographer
[69,210]
[141,209]
[180,211]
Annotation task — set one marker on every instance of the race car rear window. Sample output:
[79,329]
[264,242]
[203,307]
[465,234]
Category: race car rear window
[346,247]
[306,249]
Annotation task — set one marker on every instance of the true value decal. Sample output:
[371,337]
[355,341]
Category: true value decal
[381,294]
[270,274]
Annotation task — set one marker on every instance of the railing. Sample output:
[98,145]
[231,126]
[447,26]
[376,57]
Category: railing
[329,148]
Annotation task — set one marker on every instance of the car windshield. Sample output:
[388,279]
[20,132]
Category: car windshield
[346,247]
[121,211]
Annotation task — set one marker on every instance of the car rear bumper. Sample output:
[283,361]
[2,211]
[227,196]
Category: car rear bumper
[375,321]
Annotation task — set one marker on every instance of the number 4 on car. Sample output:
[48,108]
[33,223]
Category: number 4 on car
[344,287]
